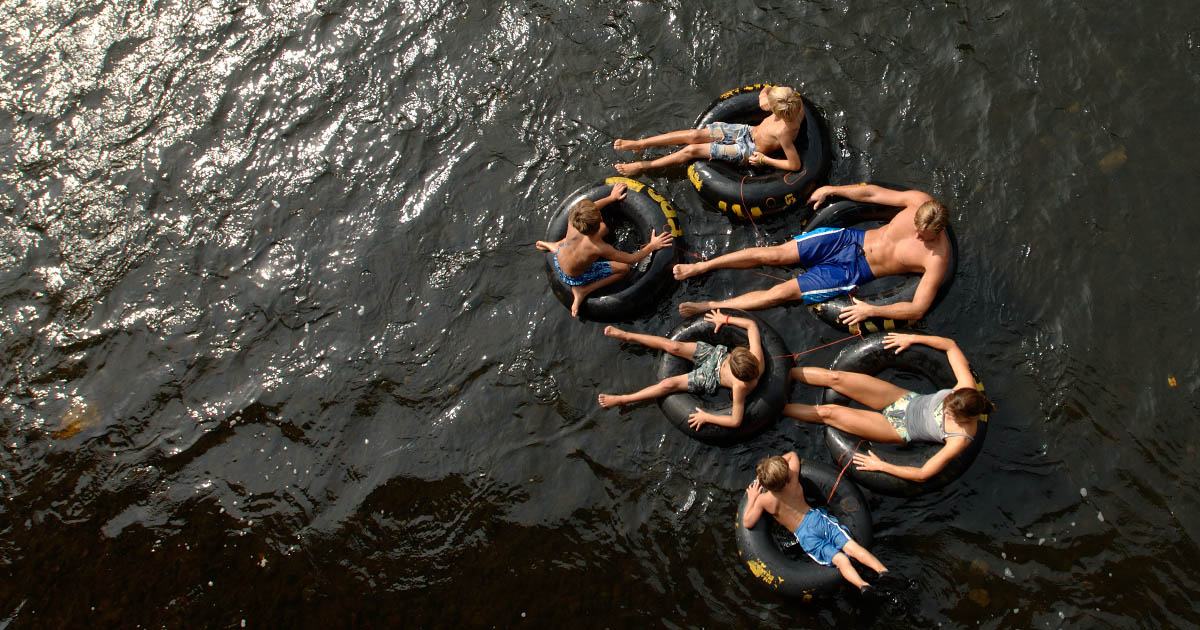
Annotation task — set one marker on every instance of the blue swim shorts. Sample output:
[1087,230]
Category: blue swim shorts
[821,536]
[730,142]
[598,270]
[706,377]
[834,263]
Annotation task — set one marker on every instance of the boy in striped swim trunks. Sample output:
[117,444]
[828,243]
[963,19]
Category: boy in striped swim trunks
[776,490]
[715,366]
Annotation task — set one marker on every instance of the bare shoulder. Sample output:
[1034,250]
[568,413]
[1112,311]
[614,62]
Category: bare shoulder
[915,198]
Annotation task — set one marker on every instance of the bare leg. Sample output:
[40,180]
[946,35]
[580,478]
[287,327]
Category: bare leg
[847,569]
[683,136]
[686,154]
[860,553]
[754,300]
[865,424]
[619,270]
[875,393]
[782,254]
[681,349]
[666,386]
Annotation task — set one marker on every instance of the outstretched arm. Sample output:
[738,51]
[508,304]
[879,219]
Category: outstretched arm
[616,194]
[954,355]
[871,193]
[753,336]
[922,299]
[737,410]
[932,466]
[657,242]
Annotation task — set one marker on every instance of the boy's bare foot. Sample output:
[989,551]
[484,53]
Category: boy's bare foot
[685,271]
[631,169]
[608,400]
[614,332]
[627,145]
[688,309]
[578,295]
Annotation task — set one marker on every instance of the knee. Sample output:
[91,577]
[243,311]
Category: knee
[826,412]
[698,151]
[674,347]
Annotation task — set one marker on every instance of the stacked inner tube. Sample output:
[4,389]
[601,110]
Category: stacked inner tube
[880,291]
[772,553]
[870,357]
[743,191]
[643,209]
[764,405]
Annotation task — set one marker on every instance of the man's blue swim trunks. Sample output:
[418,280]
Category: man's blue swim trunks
[821,536]
[730,142]
[834,263]
[598,270]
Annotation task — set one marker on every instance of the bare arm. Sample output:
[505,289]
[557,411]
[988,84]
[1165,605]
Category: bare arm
[616,194]
[932,466]
[657,242]
[922,299]
[954,355]
[870,193]
[737,410]
[791,161]
[755,498]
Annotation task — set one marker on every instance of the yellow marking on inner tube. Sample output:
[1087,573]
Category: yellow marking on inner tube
[855,330]
[889,324]
[871,327]
[789,199]
[760,571]
[738,211]
[756,211]
[735,91]
[633,184]
[694,177]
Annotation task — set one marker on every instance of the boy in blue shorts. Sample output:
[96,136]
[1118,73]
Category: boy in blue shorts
[577,257]
[777,491]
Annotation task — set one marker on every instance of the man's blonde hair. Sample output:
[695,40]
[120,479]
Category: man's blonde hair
[785,103]
[932,216]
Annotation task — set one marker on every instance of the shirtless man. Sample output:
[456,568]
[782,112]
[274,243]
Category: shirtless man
[776,490]
[838,260]
[731,142]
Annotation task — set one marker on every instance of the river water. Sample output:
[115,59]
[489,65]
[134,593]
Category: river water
[278,350]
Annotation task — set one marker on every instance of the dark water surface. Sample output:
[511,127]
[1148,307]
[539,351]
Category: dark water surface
[278,350]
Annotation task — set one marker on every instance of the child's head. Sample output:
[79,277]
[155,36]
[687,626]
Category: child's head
[968,402]
[745,366]
[773,473]
[785,103]
[586,217]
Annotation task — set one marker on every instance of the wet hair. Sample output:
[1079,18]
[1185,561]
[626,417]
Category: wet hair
[785,102]
[744,365]
[968,402]
[773,473]
[932,216]
[586,217]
